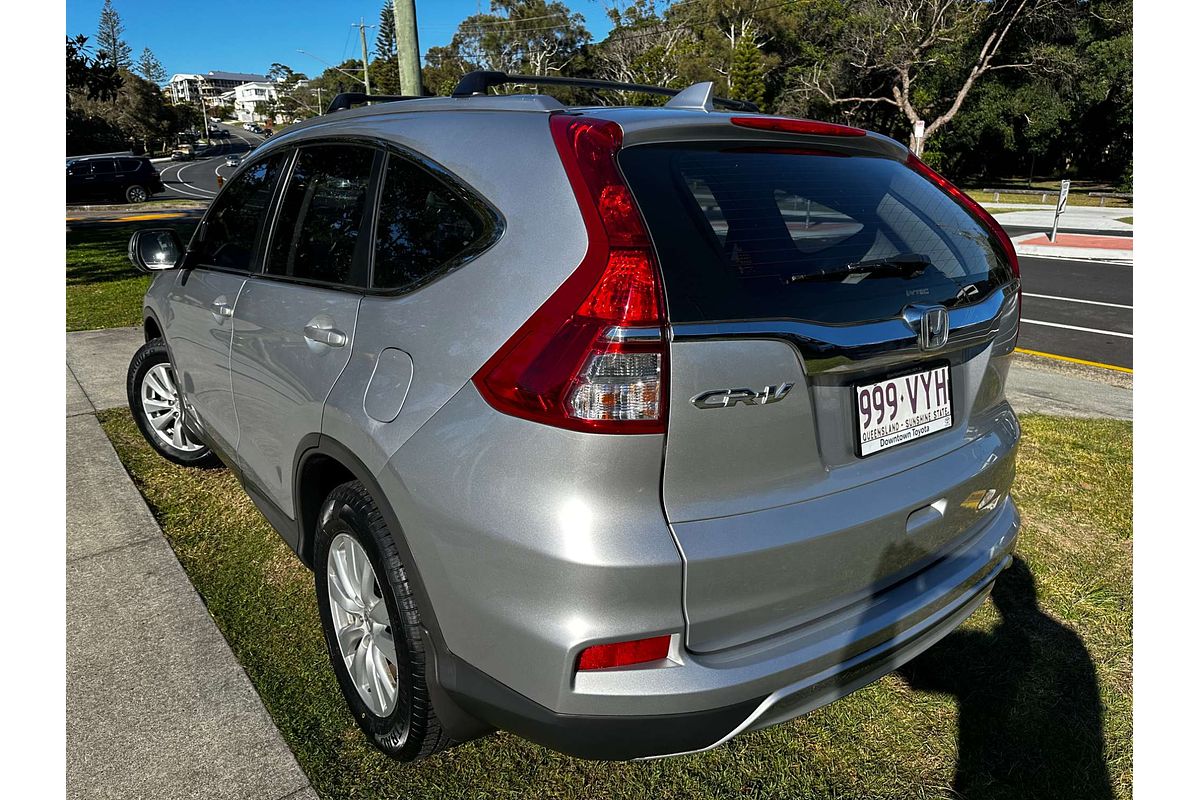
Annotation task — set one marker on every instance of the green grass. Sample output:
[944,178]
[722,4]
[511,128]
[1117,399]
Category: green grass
[1031,703]
[103,288]
[1126,220]
[1051,199]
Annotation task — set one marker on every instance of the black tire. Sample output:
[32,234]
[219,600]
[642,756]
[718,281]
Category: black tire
[412,730]
[149,356]
[136,194]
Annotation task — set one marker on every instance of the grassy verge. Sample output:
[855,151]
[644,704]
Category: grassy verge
[1126,220]
[1030,698]
[103,288]
[1051,199]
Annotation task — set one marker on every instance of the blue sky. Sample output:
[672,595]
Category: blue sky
[248,36]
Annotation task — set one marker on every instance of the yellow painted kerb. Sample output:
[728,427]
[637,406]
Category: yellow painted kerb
[1085,362]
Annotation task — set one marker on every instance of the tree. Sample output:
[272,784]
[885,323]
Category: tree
[643,47]
[924,57]
[521,36]
[112,48]
[385,40]
[149,68]
[747,75]
[87,75]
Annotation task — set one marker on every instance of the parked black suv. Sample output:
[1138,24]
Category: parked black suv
[129,178]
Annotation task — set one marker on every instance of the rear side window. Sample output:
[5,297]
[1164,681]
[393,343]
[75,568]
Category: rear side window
[232,225]
[424,226]
[103,166]
[321,215]
[128,165]
[758,233]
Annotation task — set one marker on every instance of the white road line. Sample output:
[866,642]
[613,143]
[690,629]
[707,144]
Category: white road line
[1075,328]
[1076,300]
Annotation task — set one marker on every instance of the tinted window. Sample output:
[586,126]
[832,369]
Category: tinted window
[232,224]
[128,164]
[423,226]
[103,166]
[753,233]
[321,214]
[79,168]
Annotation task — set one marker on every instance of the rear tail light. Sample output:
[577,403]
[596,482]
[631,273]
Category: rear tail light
[593,356]
[806,126]
[624,654]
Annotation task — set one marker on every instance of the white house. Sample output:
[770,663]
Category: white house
[188,87]
[249,99]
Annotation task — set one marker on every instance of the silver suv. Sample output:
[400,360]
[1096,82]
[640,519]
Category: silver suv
[625,429]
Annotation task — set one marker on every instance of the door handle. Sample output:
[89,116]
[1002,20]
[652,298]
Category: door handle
[330,336]
[222,309]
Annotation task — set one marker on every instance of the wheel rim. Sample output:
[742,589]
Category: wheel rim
[164,410]
[137,195]
[362,626]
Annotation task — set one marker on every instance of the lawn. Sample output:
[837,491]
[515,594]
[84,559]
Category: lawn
[1073,199]
[1031,698]
[103,288]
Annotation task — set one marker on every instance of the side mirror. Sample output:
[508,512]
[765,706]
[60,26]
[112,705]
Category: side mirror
[155,250]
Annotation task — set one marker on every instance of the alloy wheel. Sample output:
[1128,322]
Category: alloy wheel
[164,409]
[361,624]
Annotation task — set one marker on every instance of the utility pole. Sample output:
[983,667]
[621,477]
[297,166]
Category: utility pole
[362,35]
[408,52]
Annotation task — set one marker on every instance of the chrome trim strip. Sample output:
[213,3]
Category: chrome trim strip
[845,348]
[619,334]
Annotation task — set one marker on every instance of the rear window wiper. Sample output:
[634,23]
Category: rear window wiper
[903,264]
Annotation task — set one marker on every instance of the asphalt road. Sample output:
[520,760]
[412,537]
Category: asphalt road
[197,180]
[1078,309]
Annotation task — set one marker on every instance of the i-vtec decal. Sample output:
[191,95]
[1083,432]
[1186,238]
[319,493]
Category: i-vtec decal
[723,398]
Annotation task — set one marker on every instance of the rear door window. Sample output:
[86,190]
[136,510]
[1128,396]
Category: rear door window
[321,216]
[103,166]
[771,233]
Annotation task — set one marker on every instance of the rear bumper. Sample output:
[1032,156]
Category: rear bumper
[756,685]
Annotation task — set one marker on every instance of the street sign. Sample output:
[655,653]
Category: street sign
[1062,204]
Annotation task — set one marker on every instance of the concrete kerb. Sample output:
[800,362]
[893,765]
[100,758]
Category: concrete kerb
[157,703]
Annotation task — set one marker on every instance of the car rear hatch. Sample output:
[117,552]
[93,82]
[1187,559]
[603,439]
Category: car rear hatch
[838,315]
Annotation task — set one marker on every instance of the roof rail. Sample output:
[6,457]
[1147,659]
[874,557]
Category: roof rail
[479,81]
[347,99]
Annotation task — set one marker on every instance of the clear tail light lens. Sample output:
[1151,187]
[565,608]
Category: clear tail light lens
[593,356]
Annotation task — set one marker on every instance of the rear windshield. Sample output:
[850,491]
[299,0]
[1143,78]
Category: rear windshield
[770,233]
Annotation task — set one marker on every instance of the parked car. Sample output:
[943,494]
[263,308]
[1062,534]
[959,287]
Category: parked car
[650,428]
[184,152]
[125,177]
[233,161]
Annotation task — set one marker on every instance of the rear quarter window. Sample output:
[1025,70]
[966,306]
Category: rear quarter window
[770,233]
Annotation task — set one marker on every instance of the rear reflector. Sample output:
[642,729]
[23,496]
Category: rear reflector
[570,365]
[807,126]
[624,654]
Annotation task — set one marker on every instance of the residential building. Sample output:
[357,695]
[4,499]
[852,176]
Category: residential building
[189,87]
[251,98]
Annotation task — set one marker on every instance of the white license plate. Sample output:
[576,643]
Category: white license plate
[899,410]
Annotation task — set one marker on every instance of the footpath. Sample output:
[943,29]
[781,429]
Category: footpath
[157,704]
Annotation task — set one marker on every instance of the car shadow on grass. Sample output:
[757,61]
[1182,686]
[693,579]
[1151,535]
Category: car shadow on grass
[1030,720]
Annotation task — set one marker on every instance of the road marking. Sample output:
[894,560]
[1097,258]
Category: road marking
[1075,328]
[1083,361]
[1075,300]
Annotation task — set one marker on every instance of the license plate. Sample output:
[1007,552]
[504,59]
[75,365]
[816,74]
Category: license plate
[901,409]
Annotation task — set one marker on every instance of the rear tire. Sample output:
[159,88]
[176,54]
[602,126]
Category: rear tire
[158,408]
[136,194]
[373,628]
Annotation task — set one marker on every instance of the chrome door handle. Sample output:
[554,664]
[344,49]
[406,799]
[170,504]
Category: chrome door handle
[329,336]
[222,308]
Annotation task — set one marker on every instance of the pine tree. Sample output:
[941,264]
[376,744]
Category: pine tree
[114,49]
[385,42]
[747,76]
[149,68]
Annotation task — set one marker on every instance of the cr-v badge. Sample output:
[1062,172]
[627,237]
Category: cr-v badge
[723,398]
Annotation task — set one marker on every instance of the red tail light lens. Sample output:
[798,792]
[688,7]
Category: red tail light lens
[979,211]
[593,356]
[624,654]
[808,126]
